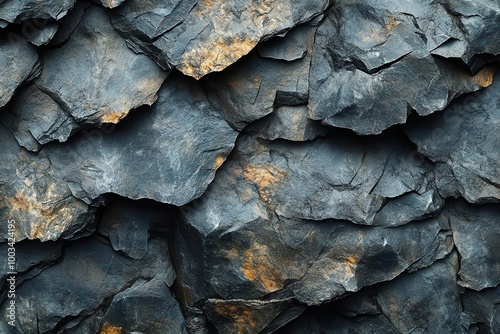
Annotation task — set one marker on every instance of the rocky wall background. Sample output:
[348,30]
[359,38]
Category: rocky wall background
[270,166]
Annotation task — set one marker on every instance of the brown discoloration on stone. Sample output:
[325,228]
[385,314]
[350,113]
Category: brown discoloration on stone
[484,77]
[242,318]
[222,47]
[219,160]
[257,268]
[391,24]
[215,55]
[46,220]
[265,178]
[107,328]
[114,117]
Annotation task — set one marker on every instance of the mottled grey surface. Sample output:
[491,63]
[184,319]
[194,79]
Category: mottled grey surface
[168,153]
[18,63]
[200,37]
[465,137]
[34,195]
[94,77]
[250,167]
[21,10]
[372,64]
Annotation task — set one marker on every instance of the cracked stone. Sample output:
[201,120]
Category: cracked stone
[200,37]
[34,195]
[171,153]
[18,62]
[103,78]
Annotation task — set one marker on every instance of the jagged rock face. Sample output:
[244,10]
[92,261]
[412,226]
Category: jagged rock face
[213,167]
[201,37]
[19,62]
[21,10]
[94,58]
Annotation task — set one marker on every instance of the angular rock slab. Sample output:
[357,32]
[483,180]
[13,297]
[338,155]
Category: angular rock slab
[372,65]
[256,85]
[426,301]
[21,10]
[251,234]
[18,63]
[95,77]
[34,195]
[482,310]
[36,119]
[244,316]
[90,272]
[476,231]
[466,140]
[145,307]
[255,258]
[168,153]
[200,37]
[289,123]
[127,223]
[341,177]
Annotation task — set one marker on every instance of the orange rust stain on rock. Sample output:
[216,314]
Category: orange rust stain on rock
[484,77]
[242,318]
[113,117]
[393,23]
[265,178]
[107,328]
[256,267]
[219,160]
[215,55]
[45,219]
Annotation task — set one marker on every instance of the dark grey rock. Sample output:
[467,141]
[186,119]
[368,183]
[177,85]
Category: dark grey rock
[476,231]
[478,21]
[34,195]
[21,10]
[426,301]
[171,153]
[95,77]
[244,316]
[246,237]
[126,223]
[256,86]
[319,180]
[482,309]
[69,23]
[36,119]
[288,122]
[200,37]
[465,137]
[145,307]
[90,273]
[32,256]
[18,62]
[371,65]
[40,35]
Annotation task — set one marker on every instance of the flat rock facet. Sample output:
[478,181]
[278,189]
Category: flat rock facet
[95,77]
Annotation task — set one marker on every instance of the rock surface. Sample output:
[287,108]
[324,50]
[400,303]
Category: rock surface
[21,10]
[372,63]
[474,165]
[18,62]
[171,151]
[94,77]
[35,197]
[200,37]
[249,167]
